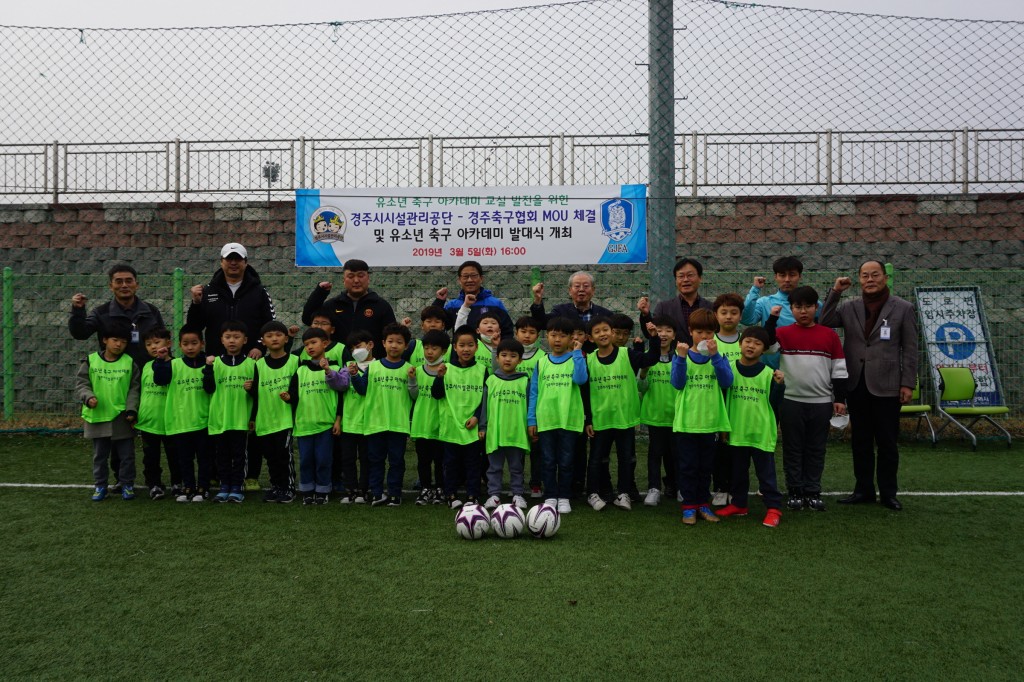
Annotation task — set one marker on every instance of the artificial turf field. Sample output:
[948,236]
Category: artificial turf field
[160,590]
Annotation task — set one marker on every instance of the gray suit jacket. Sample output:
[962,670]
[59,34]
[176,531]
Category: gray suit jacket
[886,365]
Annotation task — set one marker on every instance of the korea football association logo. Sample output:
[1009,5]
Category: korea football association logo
[328,224]
[616,219]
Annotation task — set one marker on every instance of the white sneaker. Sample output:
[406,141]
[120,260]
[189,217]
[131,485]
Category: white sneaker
[720,499]
[519,501]
[679,496]
[198,497]
[653,497]
[563,505]
[595,501]
[622,502]
[492,502]
[552,501]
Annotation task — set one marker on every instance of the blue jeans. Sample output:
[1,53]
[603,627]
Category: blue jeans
[386,446]
[557,447]
[315,455]
[696,454]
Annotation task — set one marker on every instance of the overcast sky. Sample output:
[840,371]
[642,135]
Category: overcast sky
[134,14]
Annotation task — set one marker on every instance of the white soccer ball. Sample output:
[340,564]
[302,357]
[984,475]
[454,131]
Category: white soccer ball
[543,520]
[508,521]
[472,522]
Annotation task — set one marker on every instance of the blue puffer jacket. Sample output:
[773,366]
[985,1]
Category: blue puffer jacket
[486,302]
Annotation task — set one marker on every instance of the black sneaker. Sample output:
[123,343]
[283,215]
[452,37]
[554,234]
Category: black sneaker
[795,503]
[815,503]
[319,498]
[285,496]
[272,495]
[425,497]
[177,490]
[454,502]
[156,492]
[438,497]
[471,500]
[308,499]
[395,501]
[378,500]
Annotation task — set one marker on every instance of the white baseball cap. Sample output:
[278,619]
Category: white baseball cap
[234,248]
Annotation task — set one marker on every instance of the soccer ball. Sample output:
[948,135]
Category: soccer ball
[543,520]
[508,521]
[472,522]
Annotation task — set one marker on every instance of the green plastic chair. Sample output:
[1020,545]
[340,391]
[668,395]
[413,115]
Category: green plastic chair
[957,384]
[919,410]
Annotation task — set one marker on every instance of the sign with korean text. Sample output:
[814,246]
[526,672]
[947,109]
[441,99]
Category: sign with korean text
[956,335]
[446,226]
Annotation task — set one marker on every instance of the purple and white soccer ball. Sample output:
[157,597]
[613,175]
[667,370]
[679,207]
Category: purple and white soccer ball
[472,522]
[508,521]
[543,520]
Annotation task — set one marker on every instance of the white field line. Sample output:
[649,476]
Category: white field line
[908,493]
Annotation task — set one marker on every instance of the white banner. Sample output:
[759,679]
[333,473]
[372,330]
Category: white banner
[955,334]
[445,226]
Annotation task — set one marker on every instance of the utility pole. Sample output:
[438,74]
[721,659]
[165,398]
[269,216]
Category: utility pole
[661,193]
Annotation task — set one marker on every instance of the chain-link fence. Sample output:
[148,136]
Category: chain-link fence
[768,101]
[43,357]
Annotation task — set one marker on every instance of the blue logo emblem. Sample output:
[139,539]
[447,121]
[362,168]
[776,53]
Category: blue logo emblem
[955,341]
[616,219]
[328,224]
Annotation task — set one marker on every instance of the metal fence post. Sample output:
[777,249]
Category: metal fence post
[8,343]
[828,162]
[177,169]
[561,159]
[693,163]
[302,161]
[178,301]
[661,200]
[56,172]
[966,160]
[430,161]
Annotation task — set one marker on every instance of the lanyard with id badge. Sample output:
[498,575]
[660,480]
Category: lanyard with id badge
[885,333]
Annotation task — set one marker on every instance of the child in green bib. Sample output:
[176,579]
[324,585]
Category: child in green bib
[527,333]
[425,427]
[325,319]
[657,410]
[432,318]
[355,463]
[389,386]
[503,423]
[272,418]
[313,394]
[187,412]
[224,378]
[152,406]
[699,374]
[459,387]
[752,401]
[107,384]
[612,400]
[728,309]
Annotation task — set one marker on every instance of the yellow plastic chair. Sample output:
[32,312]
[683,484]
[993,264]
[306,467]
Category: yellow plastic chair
[919,410]
[957,384]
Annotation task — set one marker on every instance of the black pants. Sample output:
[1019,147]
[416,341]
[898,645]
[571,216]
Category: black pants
[695,453]
[430,462]
[536,465]
[192,448]
[355,463]
[230,457]
[659,455]
[721,475]
[253,463]
[579,466]
[804,435]
[276,449]
[599,478]
[151,460]
[468,456]
[764,467]
[874,422]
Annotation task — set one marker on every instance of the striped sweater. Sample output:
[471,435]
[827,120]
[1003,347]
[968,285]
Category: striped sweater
[814,364]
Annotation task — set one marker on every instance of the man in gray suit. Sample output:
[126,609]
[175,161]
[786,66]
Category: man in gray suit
[880,344]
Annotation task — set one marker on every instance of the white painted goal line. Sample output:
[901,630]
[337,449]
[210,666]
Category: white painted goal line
[908,493]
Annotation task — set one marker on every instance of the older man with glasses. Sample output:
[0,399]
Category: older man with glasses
[580,305]
[473,296]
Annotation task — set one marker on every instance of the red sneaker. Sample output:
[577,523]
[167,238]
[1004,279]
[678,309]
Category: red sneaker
[772,518]
[732,510]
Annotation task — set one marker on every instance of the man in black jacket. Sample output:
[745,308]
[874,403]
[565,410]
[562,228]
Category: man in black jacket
[581,301]
[125,307]
[357,308]
[234,293]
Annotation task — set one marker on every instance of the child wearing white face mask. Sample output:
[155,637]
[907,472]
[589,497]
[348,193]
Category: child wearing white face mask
[352,442]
